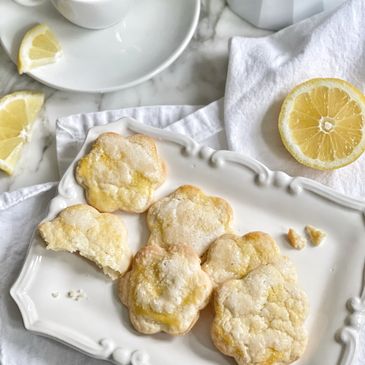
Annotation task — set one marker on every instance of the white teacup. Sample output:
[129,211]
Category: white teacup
[93,14]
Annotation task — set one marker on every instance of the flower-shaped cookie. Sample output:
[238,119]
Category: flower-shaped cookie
[259,319]
[165,289]
[232,256]
[100,237]
[188,216]
[121,173]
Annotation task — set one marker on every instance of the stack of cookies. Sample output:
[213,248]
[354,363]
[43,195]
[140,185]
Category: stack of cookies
[259,308]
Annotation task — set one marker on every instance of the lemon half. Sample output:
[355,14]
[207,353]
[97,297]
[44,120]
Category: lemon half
[322,123]
[18,112]
[39,47]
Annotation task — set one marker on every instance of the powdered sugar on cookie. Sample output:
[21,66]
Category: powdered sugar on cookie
[188,216]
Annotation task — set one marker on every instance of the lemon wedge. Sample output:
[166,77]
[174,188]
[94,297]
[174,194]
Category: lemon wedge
[322,123]
[17,115]
[39,47]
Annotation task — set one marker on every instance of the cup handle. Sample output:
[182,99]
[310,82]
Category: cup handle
[30,2]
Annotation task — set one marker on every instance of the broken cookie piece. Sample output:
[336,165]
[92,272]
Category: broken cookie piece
[99,237]
[316,235]
[296,240]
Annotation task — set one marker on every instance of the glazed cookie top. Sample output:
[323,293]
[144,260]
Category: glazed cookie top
[232,256]
[100,237]
[165,289]
[121,172]
[188,216]
[259,319]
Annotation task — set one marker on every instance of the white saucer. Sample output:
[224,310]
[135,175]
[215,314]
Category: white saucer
[152,35]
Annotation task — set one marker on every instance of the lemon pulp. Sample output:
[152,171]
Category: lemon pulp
[18,112]
[321,123]
[39,47]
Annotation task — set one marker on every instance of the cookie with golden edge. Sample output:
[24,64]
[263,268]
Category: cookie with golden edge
[189,216]
[259,320]
[232,256]
[121,172]
[165,289]
[99,237]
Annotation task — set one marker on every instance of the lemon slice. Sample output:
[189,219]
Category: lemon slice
[322,123]
[39,47]
[17,114]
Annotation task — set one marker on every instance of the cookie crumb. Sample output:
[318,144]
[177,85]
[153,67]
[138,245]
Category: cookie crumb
[316,235]
[296,240]
[80,294]
[76,294]
[71,294]
[55,294]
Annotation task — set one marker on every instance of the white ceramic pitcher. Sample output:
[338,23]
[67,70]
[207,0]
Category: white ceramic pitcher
[277,14]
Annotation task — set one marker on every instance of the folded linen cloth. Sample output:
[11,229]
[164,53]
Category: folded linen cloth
[9,199]
[262,71]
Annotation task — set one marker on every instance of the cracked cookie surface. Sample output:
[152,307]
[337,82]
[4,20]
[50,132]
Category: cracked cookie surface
[259,319]
[165,289]
[188,216]
[121,172]
[232,256]
[99,237]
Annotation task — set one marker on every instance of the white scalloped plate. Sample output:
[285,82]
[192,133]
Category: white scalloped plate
[331,274]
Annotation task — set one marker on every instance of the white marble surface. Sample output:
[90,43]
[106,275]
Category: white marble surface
[197,77]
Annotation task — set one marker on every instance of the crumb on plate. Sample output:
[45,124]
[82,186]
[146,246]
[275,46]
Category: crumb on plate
[76,294]
[316,235]
[296,240]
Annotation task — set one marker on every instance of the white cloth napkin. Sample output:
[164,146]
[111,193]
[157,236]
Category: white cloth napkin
[262,71]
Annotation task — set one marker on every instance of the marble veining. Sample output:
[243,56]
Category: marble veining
[197,77]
